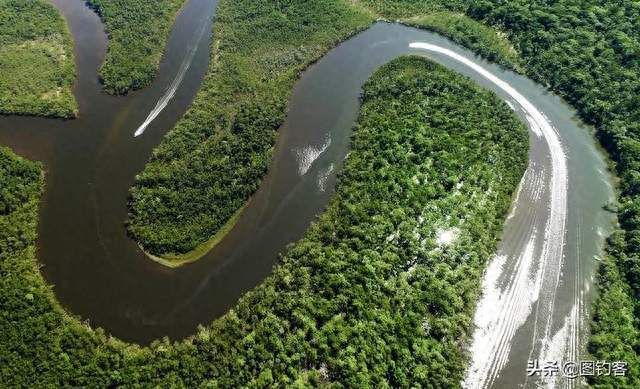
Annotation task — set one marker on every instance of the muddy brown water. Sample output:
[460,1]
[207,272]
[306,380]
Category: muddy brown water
[100,275]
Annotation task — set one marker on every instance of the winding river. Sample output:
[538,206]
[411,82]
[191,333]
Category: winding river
[537,289]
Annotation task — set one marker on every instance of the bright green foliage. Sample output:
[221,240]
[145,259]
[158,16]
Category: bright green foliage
[398,9]
[367,298]
[467,32]
[138,31]
[213,160]
[613,332]
[36,60]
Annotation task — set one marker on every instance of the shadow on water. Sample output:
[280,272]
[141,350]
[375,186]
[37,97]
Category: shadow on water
[101,275]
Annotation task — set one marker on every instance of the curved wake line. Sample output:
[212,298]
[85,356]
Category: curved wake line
[502,310]
[173,87]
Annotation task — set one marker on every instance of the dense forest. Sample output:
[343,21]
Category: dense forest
[138,32]
[37,66]
[586,50]
[213,160]
[370,296]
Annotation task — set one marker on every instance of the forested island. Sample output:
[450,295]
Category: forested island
[37,66]
[587,52]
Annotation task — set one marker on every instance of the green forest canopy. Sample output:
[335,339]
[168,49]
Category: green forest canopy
[138,32]
[37,68]
[585,50]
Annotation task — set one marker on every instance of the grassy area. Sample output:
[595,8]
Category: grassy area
[138,32]
[177,260]
[401,9]
[484,40]
[369,297]
[37,68]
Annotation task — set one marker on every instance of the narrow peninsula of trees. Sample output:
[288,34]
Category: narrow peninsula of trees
[37,68]
[138,31]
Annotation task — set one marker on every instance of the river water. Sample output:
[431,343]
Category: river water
[102,276]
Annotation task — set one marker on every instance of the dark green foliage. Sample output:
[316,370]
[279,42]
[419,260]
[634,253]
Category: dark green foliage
[338,300]
[366,298]
[138,31]
[36,60]
[208,166]
[614,335]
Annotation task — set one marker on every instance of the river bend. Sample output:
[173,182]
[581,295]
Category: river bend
[537,288]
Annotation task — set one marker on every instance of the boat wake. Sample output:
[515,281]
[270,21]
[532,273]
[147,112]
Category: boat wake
[173,87]
[323,176]
[526,270]
[307,155]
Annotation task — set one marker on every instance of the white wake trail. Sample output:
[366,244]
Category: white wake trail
[173,87]
[306,156]
[500,310]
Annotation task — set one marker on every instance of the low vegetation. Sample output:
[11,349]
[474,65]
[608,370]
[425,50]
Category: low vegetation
[402,9]
[37,68]
[138,31]
[467,32]
[372,295]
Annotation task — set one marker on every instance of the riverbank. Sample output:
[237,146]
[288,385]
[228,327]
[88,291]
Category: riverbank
[177,260]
